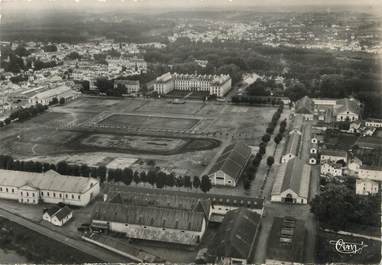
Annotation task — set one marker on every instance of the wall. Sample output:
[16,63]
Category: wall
[160,234]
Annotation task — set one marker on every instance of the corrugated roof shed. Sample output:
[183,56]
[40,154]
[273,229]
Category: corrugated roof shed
[236,235]
[294,175]
[148,216]
[233,160]
[293,144]
[162,201]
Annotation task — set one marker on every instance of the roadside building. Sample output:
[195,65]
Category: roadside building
[370,172]
[230,165]
[48,187]
[305,108]
[366,187]
[152,223]
[49,213]
[292,182]
[129,86]
[373,123]
[334,155]
[220,203]
[332,169]
[235,240]
[286,241]
[292,147]
[62,216]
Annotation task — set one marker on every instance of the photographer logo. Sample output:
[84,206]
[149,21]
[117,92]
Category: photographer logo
[344,247]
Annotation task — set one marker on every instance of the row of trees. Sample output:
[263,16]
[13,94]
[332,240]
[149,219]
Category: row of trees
[154,176]
[22,114]
[251,170]
[250,99]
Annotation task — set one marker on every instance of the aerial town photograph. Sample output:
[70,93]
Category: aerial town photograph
[190,132]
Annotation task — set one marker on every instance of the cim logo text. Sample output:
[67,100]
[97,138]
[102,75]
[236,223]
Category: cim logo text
[348,247]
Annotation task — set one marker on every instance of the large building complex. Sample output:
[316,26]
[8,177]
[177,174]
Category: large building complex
[165,218]
[48,187]
[217,85]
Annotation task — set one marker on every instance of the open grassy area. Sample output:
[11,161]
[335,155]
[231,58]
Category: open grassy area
[38,248]
[207,127]
[150,122]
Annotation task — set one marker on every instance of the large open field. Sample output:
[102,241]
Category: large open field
[183,138]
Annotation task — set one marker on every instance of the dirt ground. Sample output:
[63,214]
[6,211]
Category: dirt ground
[51,134]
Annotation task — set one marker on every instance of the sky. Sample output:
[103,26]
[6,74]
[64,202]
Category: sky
[181,3]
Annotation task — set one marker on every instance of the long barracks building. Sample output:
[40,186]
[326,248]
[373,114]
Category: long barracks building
[217,85]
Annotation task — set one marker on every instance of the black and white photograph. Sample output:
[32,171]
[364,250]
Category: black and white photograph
[227,132]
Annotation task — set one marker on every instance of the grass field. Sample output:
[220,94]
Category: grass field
[150,122]
[211,123]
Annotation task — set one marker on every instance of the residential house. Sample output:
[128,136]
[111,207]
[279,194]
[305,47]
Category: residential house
[305,107]
[366,187]
[334,155]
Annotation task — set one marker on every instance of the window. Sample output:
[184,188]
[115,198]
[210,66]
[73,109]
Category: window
[13,190]
[47,194]
[6,189]
[42,193]
[1,189]
[60,195]
[79,197]
[21,193]
[33,194]
[72,196]
[66,196]
[28,194]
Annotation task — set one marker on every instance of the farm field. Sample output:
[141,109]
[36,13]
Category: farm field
[182,138]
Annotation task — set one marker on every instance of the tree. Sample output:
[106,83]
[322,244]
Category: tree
[62,101]
[270,161]
[278,138]
[196,182]
[101,173]
[205,184]
[266,138]
[136,177]
[127,176]
[187,182]
[338,207]
[246,182]
[62,168]
[160,179]
[54,101]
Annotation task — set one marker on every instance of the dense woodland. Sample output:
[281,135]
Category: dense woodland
[318,73]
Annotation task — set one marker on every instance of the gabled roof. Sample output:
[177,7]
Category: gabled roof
[63,212]
[236,235]
[347,105]
[162,201]
[294,176]
[148,216]
[233,160]
[51,211]
[49,180]
[304,105]
[293,144]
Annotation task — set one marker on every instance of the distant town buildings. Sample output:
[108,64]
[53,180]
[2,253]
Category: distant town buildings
[217,85]
[129,86]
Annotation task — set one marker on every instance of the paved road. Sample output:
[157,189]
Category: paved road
[77,244]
